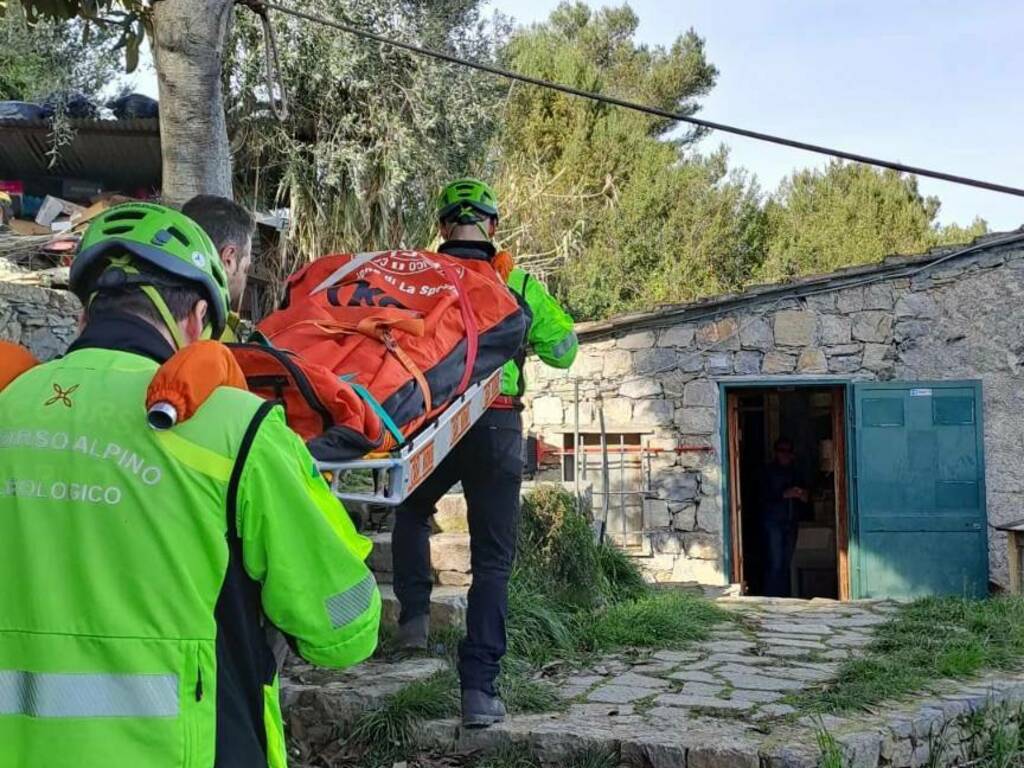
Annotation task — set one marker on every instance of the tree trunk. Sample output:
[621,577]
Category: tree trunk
[188,49]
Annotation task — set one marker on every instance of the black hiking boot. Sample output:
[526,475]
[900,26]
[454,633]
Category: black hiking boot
[480,710]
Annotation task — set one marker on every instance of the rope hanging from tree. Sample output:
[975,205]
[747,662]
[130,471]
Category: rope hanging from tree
[272,59]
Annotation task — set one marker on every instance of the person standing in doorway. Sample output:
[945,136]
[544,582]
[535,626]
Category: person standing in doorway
[781,492]
[488,462]
[231,227]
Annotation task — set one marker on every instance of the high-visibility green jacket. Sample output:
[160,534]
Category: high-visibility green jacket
[138,569]
[551,335]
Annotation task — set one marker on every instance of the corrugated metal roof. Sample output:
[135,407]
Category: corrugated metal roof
[122,155]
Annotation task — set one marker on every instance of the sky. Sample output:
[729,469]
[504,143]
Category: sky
[931,83]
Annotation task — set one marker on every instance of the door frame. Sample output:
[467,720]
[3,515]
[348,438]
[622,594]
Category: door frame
[847,561]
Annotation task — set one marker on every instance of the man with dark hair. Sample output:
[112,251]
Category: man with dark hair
[781,491]
[149,563]
[231,228]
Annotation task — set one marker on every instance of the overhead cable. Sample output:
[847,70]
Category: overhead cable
[605,99]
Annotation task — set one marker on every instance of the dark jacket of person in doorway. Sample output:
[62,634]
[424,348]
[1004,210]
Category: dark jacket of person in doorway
[782,491]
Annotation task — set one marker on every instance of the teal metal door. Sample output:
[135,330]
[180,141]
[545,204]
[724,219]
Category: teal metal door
[919,477]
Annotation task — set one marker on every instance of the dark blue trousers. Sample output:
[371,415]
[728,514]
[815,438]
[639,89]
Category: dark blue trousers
[779,532]
[489,463]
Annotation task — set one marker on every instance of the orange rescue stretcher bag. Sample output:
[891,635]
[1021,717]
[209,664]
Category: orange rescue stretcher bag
[367,348]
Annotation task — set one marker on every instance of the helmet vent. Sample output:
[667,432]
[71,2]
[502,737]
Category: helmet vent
[128,215]
[178,235]
[118,230]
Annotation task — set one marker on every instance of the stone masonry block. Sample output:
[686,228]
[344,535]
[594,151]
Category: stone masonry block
[618,412]
[872,326]
[702,546]
[677,485]
[719,363]
[812,361]
[651,361]
[709,514]
[653,412]
[794,328]
[637,340]
[639,388]
[757,334]
[656,514]
[589,366]
[878,296]
[696,421]
[835,329]
[920,306]
[721,334]
[850,300]
[876,357]
[700,392]
[700,571]
[677,336]
[748,362]
[616,363]
[778,362]
[450,552]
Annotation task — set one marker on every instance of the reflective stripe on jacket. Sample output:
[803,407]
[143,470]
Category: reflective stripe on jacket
[139,566]
[551,336]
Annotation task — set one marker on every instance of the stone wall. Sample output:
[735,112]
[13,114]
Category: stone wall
[960,319]
[43,319]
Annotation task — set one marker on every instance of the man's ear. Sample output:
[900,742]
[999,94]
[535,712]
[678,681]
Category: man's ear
[445,230]
[492,227]
[194,322]
[229,258]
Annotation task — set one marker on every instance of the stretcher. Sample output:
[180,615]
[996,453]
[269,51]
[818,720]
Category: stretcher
[395,475]
[185,381]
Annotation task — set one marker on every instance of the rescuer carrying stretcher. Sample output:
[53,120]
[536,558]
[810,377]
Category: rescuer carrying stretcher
[489,464]
[146,564]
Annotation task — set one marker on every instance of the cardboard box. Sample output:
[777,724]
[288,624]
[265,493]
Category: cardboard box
[22,227]
[84,216]
[53,208]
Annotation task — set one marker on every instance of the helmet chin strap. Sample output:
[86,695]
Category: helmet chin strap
[161,307]
[173,328]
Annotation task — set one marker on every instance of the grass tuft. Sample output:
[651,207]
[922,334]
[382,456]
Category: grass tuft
[521,692]
[659,619]
[830,754]
[508,756]
[385,731]
[925,641]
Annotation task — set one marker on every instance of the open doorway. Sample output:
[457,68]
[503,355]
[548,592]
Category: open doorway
[787,490]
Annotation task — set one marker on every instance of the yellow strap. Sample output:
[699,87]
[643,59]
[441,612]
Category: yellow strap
[161,306]
[196,457]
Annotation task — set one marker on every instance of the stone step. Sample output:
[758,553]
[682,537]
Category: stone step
[447,606]
[449,556]
[451,514]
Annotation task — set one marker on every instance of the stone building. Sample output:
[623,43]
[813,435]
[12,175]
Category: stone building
[898,383]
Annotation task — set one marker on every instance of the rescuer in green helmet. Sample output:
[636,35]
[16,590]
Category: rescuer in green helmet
[148,564]
[488,462]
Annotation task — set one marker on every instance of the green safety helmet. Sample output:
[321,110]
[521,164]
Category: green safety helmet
[467,201]
[161,237]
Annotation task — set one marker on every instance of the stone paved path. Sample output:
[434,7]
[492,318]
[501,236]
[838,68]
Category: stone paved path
[778,648]
[719,704]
